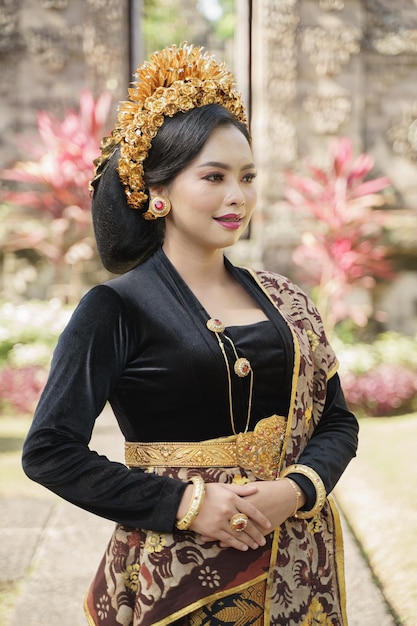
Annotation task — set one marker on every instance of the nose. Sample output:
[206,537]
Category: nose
[235,195]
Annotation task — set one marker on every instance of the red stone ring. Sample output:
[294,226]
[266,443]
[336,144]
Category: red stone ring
[238,522]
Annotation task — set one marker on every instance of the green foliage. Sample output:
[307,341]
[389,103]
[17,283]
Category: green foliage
[162,25]
[379,378]
[167,22]
[28,332]
[389,347]
[225,26]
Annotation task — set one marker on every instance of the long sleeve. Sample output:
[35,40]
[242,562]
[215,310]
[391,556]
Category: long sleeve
[332,445]
[88,361]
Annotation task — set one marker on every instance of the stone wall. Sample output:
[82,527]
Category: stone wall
[319,69]
[49,51]
[328,68]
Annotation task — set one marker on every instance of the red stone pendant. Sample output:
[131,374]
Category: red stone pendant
[242,367]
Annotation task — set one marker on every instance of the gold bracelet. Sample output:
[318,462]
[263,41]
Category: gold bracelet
[318,486]
[195,505]
[298,494]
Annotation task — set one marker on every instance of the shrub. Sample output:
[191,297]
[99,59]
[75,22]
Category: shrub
[20,388]
[28,334]
[47,214]
[379,378]
[61,163]
[344,248]
[388,389]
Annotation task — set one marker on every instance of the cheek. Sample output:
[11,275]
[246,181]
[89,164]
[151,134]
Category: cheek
[206,200]
[251,197]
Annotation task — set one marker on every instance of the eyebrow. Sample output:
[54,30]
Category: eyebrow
[224,166]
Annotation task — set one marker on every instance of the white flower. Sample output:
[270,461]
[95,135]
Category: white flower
[102,607]
[209,578]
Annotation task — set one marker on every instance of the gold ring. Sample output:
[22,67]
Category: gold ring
[238,522]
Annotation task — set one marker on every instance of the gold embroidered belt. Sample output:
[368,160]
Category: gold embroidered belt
[258,451]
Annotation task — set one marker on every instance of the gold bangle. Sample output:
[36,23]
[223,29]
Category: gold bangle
[318,486]
[298,494]
[195,505]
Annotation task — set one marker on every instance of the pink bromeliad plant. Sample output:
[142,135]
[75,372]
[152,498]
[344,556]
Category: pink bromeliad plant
[55,198]
[343,249]
[61,163]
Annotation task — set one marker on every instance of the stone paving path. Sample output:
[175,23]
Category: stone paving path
[52,550]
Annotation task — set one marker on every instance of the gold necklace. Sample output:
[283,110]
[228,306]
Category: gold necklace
[241,367]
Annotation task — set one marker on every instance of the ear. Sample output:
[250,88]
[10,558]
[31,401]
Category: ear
[158,190]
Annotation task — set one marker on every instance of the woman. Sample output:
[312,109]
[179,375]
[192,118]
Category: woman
[221,379]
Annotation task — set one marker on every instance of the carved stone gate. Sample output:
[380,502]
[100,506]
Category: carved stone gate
[327,68]
[318,69]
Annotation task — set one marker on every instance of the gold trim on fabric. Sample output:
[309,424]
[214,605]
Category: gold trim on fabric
[270,578]
[88,615]
[207,600]
[258,451]
[296,368]
[340,559]
[294,383]
[333,371]
[209,453]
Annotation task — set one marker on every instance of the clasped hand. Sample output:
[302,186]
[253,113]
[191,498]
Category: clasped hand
[267,504]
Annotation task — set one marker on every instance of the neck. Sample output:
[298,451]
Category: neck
[195,267]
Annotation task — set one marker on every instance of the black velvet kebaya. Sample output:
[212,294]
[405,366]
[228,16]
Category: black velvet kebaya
[141,341]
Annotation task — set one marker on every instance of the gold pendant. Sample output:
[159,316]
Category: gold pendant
[242,367]
[215,325]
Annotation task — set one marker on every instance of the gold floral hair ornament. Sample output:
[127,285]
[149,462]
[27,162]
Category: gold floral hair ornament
[175,79]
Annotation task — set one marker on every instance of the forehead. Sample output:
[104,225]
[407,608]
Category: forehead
[226,142]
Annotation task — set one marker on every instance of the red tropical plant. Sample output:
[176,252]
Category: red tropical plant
[62,162]
[20,388]
[56,222]
[344,248]
[387,389]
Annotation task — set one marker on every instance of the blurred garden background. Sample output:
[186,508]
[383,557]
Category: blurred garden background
[330,87]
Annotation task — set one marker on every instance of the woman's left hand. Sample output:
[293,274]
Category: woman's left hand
[276,499]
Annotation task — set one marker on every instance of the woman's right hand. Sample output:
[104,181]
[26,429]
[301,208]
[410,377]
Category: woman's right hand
[221,502]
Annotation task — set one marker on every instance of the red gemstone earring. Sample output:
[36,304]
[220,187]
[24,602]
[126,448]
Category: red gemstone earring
[158,207]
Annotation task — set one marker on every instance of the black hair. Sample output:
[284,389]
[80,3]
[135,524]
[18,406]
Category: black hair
[124,238]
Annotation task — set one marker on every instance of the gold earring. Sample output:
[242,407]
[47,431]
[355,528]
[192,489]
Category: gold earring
[158,207]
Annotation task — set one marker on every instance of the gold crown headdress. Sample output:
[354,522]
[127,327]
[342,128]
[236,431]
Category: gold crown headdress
[175,79]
